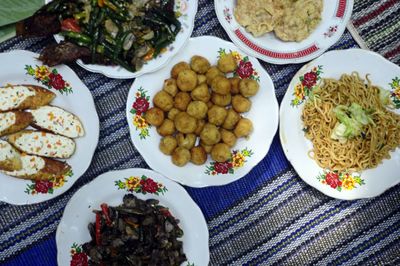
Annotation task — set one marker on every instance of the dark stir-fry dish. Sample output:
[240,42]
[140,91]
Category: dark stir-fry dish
[122,32]
[137,232]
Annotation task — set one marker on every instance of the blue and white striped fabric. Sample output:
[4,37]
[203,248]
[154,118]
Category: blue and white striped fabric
[269,217]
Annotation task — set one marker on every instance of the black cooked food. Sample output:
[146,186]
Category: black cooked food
[137,232]
[122,32]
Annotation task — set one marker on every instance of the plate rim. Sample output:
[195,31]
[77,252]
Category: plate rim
[232,36]
[132,75]
[91,103]
[250,165]
[104,175]
[281,126]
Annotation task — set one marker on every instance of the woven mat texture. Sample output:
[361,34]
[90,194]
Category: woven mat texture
[269,217]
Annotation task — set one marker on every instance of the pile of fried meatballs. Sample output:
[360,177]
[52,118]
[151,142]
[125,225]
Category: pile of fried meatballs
[198,111]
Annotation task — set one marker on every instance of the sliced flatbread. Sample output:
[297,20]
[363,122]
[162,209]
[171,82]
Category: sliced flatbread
[10,158]
[14,121]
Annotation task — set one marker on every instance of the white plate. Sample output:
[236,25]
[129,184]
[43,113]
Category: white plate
[335,15]
[333,64]
[110,188]
[188,9]
[263,113]
[79,102]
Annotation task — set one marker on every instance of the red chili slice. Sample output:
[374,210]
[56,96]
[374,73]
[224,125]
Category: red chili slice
[98,227]
[70,24]
[106,213]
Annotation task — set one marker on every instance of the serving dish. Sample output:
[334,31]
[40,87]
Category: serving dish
[269,48]
[187,10]
[367,183]
[110,188]
[22,67]
[246,153]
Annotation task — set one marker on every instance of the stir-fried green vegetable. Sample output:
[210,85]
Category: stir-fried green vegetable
[123,32]
[352,119]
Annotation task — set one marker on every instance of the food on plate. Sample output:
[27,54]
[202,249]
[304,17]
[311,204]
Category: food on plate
[168,145]
[43,144]
[39,168]
[154,116]
[20,97]
[204,118]
[180,156]
[349,125]
[220,152]
[10,159]
[14,121]
[291,20]
[57,121]
[126,33]
[198,155]
[138,232]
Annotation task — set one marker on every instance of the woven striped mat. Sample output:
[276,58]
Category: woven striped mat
[269,217]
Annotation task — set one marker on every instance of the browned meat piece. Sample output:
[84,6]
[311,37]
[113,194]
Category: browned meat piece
[39,25]
[64,52]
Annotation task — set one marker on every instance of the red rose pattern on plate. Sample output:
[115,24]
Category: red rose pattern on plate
[50,78]
[139,109]
[237,160]
[47,186]
[141,184]
[340,181]
[307,83]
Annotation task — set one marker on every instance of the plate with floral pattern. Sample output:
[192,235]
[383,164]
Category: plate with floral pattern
[246,154]
[335,15]
[186,10]
[22,67]
[342,185]
[110,188]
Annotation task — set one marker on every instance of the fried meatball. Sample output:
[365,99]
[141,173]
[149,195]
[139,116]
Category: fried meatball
[154,116]
[221,100]
[228,137]
[178,68]
[163,100]
[241,104]
[227,63]
[248,87]
[182,100]
[210,134]
[221,85]
[231,120]
[199,64]
[180,156]
[166,128]
[186,141]
[220,152]
[217,115]
[201,93]
[243,128]
[235,85]
[201,79]
[197,109]
[206,147]
[168,145]
[187,80]
[200,126]
[212,73]
[172,113]
[185,123]
[170,87]
[198,155]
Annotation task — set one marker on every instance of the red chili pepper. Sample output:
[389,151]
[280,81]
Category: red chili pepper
[106,213]
[98,227]
[70,24]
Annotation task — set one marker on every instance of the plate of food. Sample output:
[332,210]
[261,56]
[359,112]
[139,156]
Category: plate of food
[119,39]
[340,124]
[284,32]
[208,118]
[49,129]
[132,217]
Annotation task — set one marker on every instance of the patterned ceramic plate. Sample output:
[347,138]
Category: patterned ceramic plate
[110,188]
[188,10]
[335,15]
[246,153]
[368,183]
[21,67]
